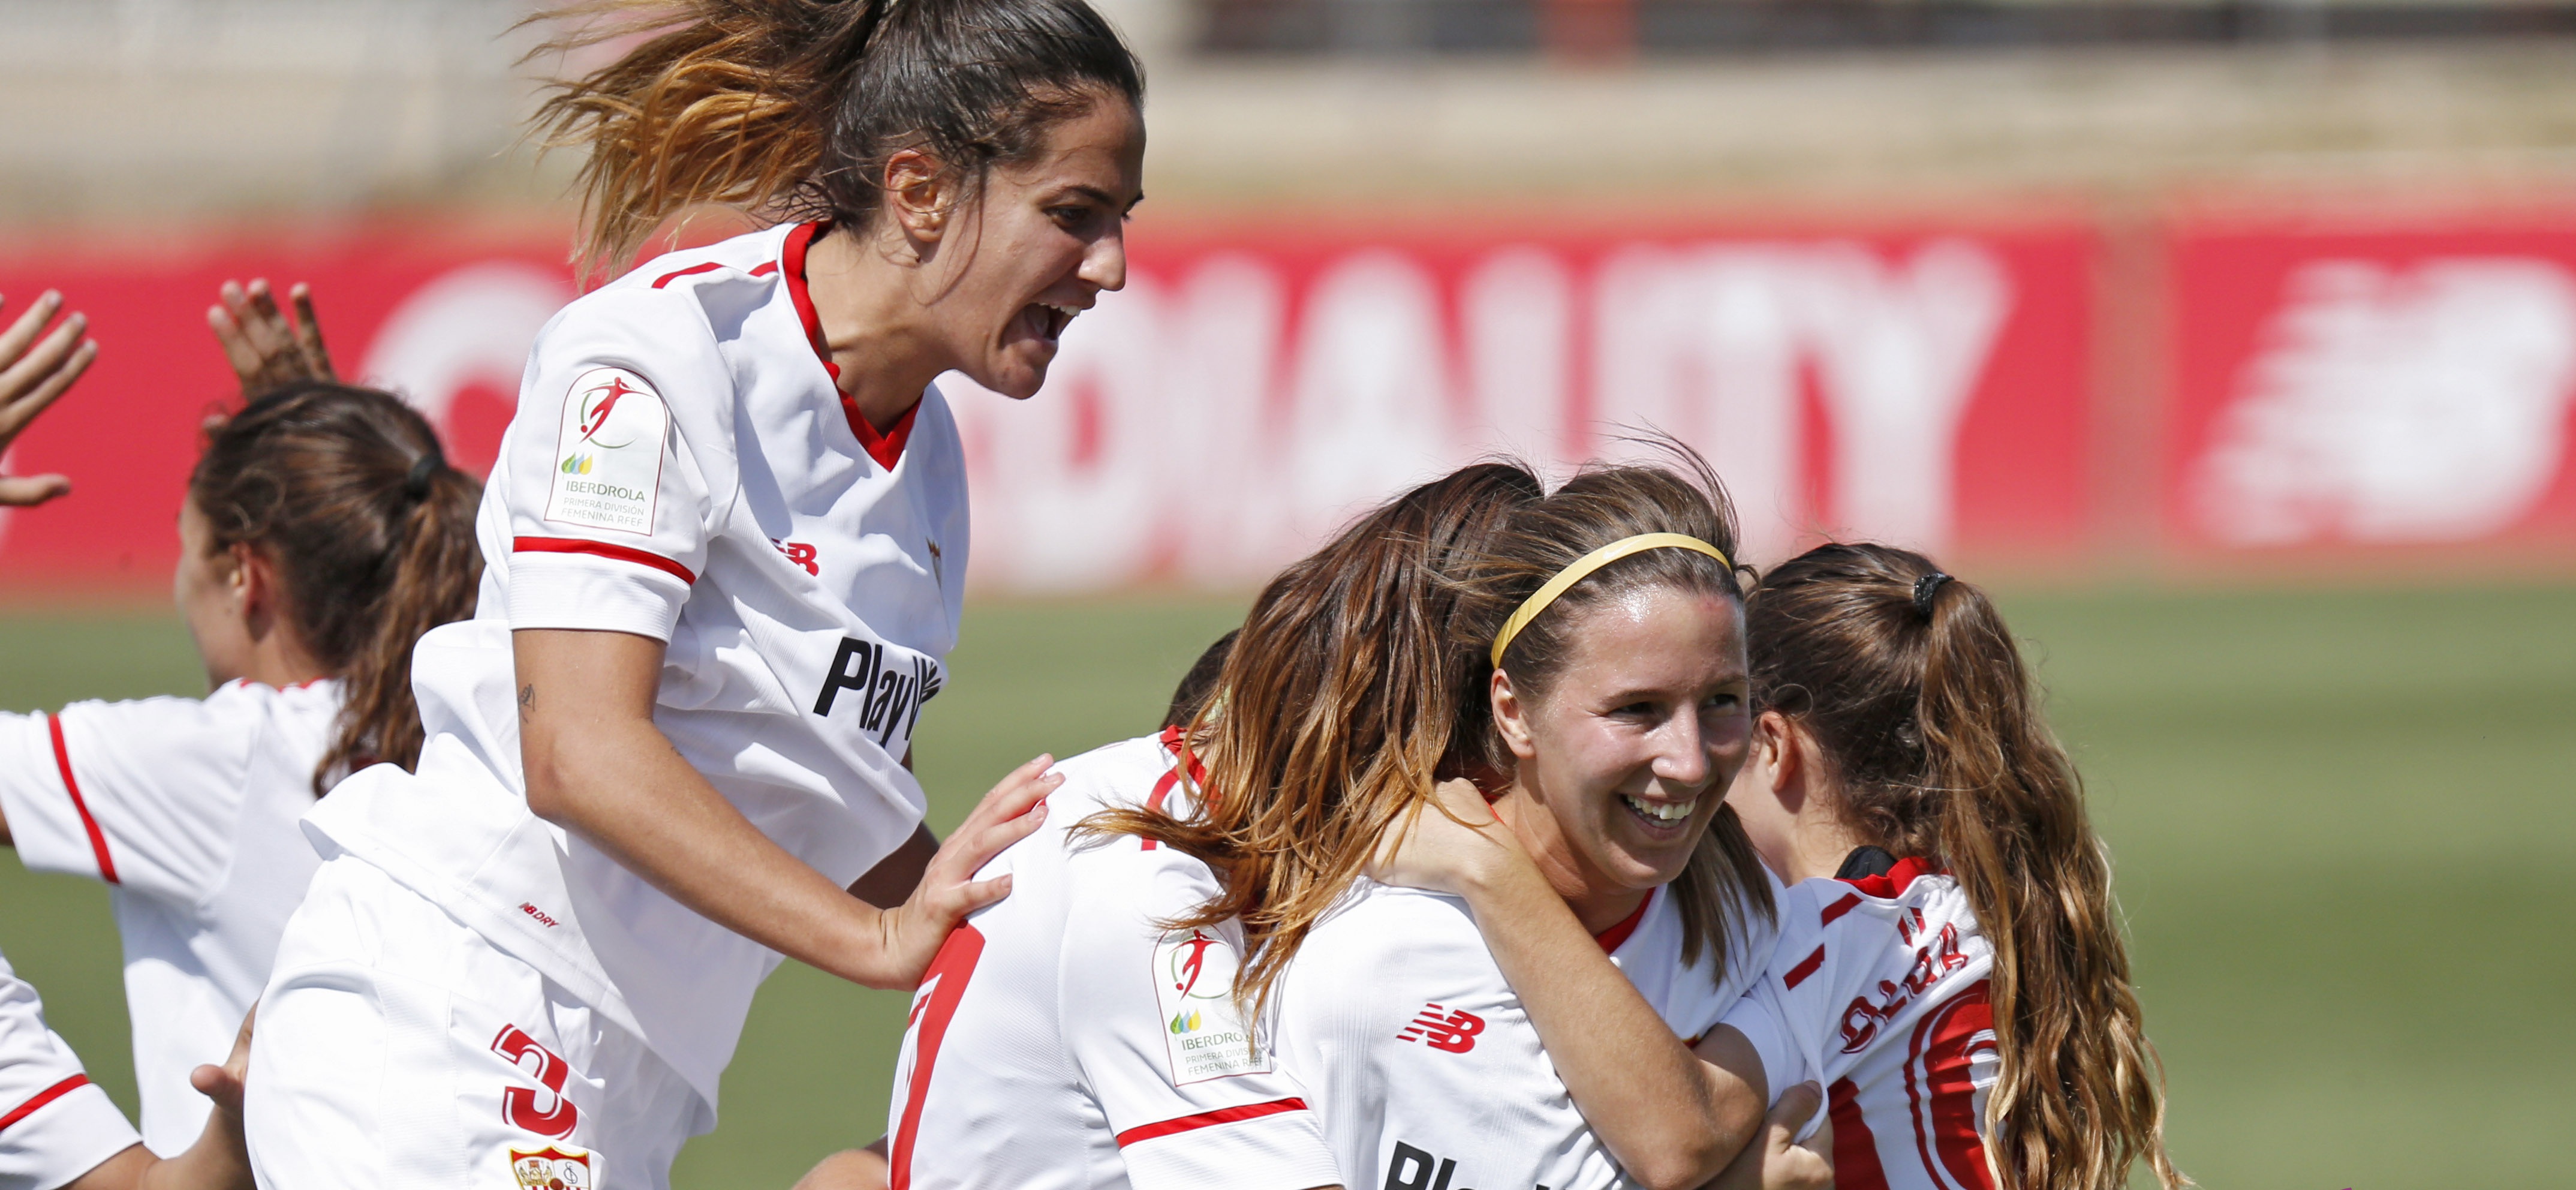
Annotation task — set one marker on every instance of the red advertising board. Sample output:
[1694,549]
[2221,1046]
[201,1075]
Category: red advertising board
[1249,391]
[2343,389]
[1252,386]
[447,318]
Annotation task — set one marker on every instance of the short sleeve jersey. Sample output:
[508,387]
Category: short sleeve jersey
[683,466]
[1424,1065]
[1063,1039]
[54,1125]
[187,809]
[1878,992]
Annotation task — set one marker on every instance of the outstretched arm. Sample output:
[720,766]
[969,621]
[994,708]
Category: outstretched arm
[597,766]
[1672,1120]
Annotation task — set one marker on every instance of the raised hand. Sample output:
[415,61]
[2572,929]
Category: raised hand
[915,930]
[1447,844]
[31,377]
[264,346]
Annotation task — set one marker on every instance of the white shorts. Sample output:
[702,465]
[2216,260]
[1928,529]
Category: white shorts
[398,1049]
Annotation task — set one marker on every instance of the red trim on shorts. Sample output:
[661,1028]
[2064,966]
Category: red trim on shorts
[578,545]
[951,968]
[675,275]
[1617,936]
[80,805]
[1205,1119]
[43,1097]
[1849,902]
[1896,881]
[1806,967]
[885,448]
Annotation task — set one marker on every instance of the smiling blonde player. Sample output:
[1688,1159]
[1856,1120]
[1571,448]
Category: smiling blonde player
[1084,1038]
[725,545]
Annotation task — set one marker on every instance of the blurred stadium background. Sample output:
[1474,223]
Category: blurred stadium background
[2234,340]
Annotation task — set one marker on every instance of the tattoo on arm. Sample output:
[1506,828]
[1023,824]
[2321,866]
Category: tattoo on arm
[527,701]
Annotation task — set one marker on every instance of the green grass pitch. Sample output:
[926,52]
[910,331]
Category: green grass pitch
[2342,823]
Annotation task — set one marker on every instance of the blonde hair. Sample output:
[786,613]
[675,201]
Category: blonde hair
[1358,683]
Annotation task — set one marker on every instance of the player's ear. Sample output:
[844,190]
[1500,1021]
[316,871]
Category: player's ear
[1511,717]
[920,194]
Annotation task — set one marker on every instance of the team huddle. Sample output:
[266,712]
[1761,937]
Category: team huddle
[1521,837]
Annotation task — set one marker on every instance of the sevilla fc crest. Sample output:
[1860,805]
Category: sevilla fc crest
[552,1168]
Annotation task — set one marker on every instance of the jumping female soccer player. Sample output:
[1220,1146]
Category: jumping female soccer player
[1951,964]
[1087,1038]
[725,549]
[322,533]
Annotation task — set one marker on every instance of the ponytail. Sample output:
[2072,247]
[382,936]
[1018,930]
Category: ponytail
[1926,714]
[790,108]
[348,493]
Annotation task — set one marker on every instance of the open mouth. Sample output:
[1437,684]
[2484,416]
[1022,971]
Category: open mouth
[1047,320]
[1661,814]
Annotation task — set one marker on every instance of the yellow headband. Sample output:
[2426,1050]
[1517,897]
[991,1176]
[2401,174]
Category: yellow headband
[1584,566]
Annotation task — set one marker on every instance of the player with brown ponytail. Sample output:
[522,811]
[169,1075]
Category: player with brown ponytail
[725,545]
[322,534]
[1951,962]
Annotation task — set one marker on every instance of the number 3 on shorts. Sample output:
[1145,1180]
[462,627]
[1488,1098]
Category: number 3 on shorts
[519,1104]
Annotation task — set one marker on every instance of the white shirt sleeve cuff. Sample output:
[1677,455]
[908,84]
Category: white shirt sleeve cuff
[550,590]
[64,1138]
[44,824]
[1283,1150]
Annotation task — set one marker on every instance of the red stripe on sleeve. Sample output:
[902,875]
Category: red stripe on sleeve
[97,837]
[1838,908]
[577,545]
[1806,967]
[668,278]
[48,1095]
[1205,1119]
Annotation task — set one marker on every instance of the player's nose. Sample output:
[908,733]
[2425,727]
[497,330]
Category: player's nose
[1104,265]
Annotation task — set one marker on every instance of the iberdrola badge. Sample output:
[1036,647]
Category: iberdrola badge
[552,1168]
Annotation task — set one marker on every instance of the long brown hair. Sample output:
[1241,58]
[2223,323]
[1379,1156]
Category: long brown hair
[348,494]
[791,108]
[1931,730]
[1359,682]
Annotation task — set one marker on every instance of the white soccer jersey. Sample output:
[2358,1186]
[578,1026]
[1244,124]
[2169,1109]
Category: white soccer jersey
[1423,1063]
[54,1125]
[187,808]
[683,467]
[1878,992]
[1062,1040]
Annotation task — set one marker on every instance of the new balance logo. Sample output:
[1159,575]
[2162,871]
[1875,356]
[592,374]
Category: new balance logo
[1443,1029]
